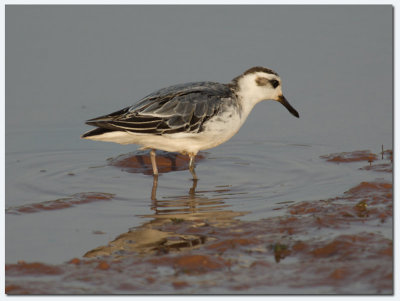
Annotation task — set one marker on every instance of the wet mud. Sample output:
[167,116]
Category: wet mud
[63,203]
[195,245]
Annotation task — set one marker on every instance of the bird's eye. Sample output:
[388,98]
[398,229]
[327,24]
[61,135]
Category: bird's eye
[274,83]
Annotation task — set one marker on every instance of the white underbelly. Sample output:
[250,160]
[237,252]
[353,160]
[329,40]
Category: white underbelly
[216,131]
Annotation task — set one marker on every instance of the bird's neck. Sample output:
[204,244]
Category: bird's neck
[247,103]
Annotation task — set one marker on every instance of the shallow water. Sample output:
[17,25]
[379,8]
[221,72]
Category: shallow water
[255,179]
[210,238]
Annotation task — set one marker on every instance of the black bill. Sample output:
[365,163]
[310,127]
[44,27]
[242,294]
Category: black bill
[288,106]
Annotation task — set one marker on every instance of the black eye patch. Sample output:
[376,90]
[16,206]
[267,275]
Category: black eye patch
[274,83]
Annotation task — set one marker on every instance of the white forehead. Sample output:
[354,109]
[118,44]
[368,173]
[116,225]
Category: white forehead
[262,74]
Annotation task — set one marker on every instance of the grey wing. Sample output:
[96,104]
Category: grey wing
[182,108]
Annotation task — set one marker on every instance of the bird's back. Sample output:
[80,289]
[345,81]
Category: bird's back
[179,108]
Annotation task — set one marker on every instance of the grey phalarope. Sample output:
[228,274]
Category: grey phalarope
[187,118]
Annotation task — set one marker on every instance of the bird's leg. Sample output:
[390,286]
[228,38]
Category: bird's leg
[191,166]
[154,189]
[153,161]
[192,191]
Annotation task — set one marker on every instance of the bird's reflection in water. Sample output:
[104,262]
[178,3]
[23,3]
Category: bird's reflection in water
[178,223]
[186,206]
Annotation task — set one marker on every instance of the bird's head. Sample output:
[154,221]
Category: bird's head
[259,83]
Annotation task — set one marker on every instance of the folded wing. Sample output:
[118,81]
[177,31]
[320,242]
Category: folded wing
[181,108]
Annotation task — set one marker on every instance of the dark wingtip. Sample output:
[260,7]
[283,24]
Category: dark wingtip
[95,132]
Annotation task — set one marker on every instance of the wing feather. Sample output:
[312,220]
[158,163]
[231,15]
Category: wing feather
[180,108]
